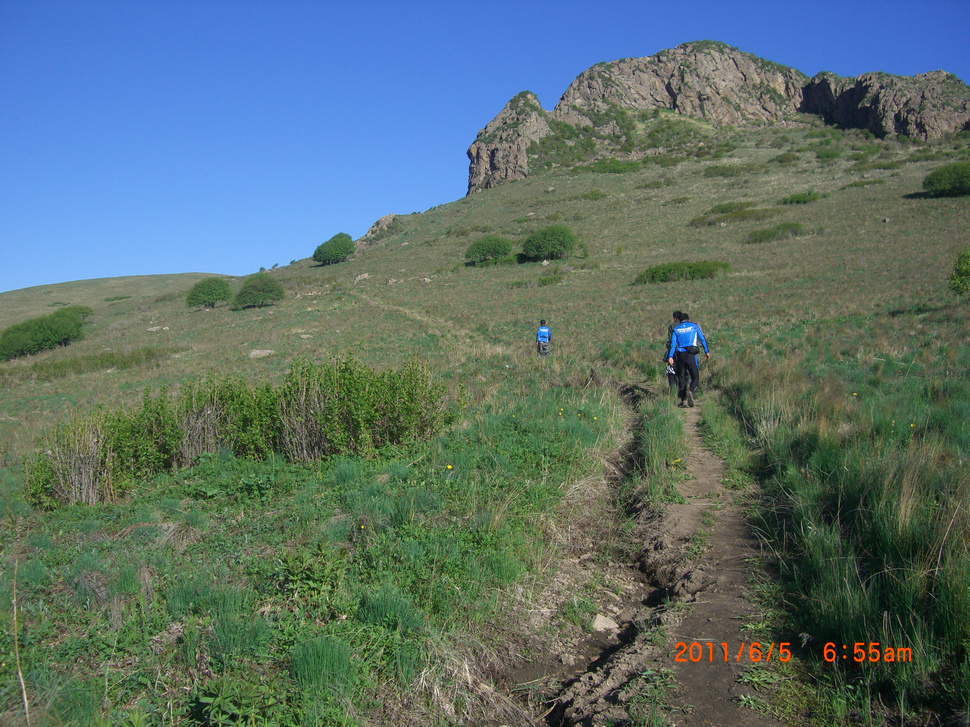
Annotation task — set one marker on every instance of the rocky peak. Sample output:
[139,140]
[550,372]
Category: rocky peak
[598,113]
[705,80]
[500,152]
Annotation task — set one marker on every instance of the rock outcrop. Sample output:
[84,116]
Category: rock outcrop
[925,106]
[705,80]
[500,152]
[710,81]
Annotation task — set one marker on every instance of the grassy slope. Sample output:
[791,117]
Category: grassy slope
[871,250]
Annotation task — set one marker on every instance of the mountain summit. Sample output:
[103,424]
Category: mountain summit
[598,115]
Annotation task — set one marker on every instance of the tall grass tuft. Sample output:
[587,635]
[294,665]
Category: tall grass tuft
[324,663]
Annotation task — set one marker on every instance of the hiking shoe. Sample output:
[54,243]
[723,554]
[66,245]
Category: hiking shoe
[682,405]
[690,399]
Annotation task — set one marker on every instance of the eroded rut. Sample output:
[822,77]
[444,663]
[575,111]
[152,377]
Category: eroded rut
[686,586]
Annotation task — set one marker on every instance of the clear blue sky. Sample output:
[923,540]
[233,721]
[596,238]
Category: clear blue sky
[141,137]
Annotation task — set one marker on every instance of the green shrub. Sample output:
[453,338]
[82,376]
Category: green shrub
[610,166]
[550,243]
[950,180]
[829,153]
[335,250]
[209,292]
[787,157]
[258,290]
[43,333]
[488,249]
[681,271]
[785,229]
[959,280]
[801,198]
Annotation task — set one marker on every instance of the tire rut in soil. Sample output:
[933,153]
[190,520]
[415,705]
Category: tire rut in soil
[681,599]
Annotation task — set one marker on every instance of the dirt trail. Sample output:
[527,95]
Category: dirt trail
[687,586]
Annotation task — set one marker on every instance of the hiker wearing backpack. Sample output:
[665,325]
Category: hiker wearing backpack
[684,340]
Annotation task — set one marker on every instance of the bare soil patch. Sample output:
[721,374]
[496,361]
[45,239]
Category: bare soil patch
[686,585]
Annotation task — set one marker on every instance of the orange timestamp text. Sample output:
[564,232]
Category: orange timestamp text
[710,651]
[861,651]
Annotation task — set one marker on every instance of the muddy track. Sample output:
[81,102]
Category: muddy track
[686,585]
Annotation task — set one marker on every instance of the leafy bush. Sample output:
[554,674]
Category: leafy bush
[716,170]
[681,271]
[335,250]
[950,180]
[785,229]
[209,292]
[828,153]
[549,243]
[43,333]
[258,290]
[960,277]
[610,166]
[487,249]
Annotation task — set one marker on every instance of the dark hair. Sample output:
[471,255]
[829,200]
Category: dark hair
[542,322]
[678,315]
[684,317]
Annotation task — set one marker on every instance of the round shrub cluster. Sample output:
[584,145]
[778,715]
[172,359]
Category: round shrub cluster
[335,250]
[209,292]
[487,249]
[257,291]
[950,180]
[43,333]
[550,243]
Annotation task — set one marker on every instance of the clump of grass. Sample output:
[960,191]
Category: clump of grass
[668,272]
[388,608]
[721,170]
[864,183]
[324,663]
[801,198]
[730,212]
[778,232]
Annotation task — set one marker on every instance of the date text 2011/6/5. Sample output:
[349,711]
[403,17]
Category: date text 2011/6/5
[753,652]
[861,651]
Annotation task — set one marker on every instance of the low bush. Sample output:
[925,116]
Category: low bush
[339,408]
[959,279]
[730,212]
[550,243]
[801,198]
[610,166]
[257,291]
[43,333]
[488,249]
[950,180]
[335,250]
[716,170]
[785,229]
[208,293]
[668,272]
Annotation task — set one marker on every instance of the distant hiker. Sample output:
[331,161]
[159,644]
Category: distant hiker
[683,356]
[543,339]
[671,371]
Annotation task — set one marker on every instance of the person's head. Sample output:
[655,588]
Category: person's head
[542,322]
[677,316]
[684,317]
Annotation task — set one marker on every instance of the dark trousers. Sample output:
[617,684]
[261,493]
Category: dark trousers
[686,365]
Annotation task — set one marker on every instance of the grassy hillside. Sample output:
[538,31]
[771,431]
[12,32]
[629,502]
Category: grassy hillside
[838,341]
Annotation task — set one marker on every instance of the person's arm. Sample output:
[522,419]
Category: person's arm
[707,351]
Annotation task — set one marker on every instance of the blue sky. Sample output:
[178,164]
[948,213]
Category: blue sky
[141,137]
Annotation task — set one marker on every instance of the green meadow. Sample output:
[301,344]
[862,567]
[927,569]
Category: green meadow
[390,572]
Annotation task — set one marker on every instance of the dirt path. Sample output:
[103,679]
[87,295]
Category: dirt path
[684,595]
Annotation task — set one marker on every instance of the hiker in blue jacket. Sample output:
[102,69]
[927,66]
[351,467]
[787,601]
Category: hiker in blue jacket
[543,339]
[684,340]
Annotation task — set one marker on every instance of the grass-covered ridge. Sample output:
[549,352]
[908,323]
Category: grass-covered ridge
[238,577]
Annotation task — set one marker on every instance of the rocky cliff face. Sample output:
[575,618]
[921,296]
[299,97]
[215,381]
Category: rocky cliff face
[599,112]
[925,106]
[705,80]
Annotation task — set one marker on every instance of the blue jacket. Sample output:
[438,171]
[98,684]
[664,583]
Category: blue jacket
[686,334]
[543,334]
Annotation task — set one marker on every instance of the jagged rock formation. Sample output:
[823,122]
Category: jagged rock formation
[705,80]
[603,109]
[925,106]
